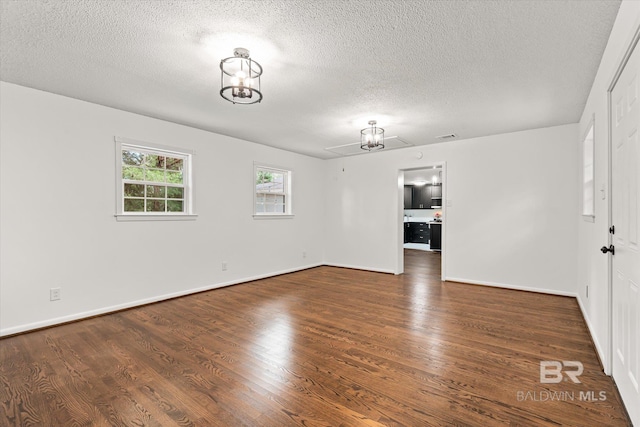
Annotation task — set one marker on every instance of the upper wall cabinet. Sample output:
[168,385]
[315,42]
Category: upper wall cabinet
[423,196]
[408,197]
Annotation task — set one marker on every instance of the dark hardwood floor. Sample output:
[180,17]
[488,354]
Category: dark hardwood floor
[321,347]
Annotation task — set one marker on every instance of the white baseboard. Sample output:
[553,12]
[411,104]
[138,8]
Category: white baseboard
[357,267]
[110,309]
[515,287]
[601,354]
[132,304]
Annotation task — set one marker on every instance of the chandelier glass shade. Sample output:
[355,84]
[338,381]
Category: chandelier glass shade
[372,138]
[240,78]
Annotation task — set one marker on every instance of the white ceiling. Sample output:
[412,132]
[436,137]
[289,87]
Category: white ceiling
[420,68]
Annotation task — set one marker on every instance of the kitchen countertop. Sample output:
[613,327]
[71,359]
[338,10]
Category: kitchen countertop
[422,220]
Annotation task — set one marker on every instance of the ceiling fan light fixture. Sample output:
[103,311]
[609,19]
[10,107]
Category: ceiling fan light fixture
[240,78]
[372,138]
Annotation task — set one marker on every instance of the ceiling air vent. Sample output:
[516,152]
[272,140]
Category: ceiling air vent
[447,136]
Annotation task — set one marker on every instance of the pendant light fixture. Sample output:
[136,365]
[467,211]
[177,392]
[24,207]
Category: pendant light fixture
[372,138]
[240,78]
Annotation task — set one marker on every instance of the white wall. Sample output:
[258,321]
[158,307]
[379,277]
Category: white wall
[512,220]
[58,203]
[592,264]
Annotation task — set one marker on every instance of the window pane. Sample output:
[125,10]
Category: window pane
[154,175]
[269,181]
[174,177]
[153,182]
[277,185]
[155,205]
[131,157]
[132,172]
[174,164]
[156,191]
[133,205]
[174,205]
[278,203]
[263,176]
[175,193]
[134,190]
[154,161]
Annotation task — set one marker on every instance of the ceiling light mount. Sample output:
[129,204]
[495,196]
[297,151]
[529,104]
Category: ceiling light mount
[240,78]
[372,138]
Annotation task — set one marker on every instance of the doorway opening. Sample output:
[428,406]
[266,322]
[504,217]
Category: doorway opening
[421,194]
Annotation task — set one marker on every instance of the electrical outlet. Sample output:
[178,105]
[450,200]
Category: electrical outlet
[54,294]
[587,291]
[304,254]
[224,265]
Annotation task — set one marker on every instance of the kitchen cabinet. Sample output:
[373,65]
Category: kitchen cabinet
[407,232]
[408,196]
[422,196]
[435,236]
[419,232]
[436,196]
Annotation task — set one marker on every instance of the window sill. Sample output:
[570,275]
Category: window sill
[255,216]
[145,217]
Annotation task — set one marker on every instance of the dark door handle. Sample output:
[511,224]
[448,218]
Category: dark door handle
[611,249]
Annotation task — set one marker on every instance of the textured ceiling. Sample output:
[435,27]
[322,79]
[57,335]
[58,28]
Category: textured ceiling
[420,68]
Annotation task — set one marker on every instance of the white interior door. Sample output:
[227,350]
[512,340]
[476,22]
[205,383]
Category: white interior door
[625,123]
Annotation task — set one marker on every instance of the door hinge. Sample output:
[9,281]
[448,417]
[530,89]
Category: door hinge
[612,229]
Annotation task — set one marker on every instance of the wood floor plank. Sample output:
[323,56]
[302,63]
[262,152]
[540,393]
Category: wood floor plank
[321,347]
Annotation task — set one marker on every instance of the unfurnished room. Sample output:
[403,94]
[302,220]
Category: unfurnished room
[319,213]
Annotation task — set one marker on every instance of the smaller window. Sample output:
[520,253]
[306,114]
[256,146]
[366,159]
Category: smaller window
[272,195]
[153,180]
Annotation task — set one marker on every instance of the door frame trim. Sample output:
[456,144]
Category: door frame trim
[400,240]
[622,62]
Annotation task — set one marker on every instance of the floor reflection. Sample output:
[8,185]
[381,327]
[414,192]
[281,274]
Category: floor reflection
[274,340]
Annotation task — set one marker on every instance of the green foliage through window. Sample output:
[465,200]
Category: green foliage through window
[152,182]
[263,177]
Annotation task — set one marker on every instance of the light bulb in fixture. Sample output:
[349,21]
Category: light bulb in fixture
[240,78]
[372,138]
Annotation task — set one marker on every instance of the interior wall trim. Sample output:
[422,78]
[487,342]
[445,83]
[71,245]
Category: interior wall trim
[57,321]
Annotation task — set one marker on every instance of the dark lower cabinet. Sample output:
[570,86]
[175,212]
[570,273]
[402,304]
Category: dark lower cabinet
[418,232]
[436,236]
[422,232]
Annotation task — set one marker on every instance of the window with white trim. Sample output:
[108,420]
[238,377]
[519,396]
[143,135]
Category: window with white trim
[153,180]
[272,196]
